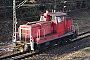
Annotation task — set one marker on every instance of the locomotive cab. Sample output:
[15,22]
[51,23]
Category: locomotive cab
[58,19]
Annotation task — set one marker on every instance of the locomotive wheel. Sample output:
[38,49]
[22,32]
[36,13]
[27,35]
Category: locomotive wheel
[21,48]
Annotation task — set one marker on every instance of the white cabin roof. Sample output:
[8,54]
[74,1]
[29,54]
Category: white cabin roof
[57,14]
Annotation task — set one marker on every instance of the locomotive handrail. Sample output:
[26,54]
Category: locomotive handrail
[38,33]
[24,33]
[76,28]
[17,33]
[31,42]
[73,28]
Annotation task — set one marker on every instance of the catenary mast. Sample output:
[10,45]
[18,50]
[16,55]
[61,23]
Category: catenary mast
[15,19]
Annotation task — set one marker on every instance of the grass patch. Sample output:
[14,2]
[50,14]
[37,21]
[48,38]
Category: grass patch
[87,49]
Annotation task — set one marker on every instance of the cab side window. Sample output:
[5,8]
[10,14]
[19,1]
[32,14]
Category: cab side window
[53,17]
[58,19]
[41,18]
[62,18]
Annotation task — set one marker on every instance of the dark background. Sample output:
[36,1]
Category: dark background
[30,12]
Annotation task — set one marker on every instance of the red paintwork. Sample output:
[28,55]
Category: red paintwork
[54,36]
[45,26]
[60,28]
[40,40]
[52,29]
[49,37]
[68,25]
[33,28]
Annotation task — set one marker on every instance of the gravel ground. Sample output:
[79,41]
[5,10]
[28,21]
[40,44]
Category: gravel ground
[79,50]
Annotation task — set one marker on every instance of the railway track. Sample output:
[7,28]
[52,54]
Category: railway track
[23,55]
[18,55]
[82,36]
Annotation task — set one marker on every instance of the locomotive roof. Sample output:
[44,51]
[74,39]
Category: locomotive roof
[57,14]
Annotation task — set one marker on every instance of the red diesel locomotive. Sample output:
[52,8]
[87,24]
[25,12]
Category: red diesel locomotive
[52,28]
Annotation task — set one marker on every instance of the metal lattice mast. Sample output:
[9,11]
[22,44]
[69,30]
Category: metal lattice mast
[14,21]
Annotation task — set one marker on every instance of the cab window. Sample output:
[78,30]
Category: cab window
[53,17]
[58,19]
[42,18]
[62,18]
